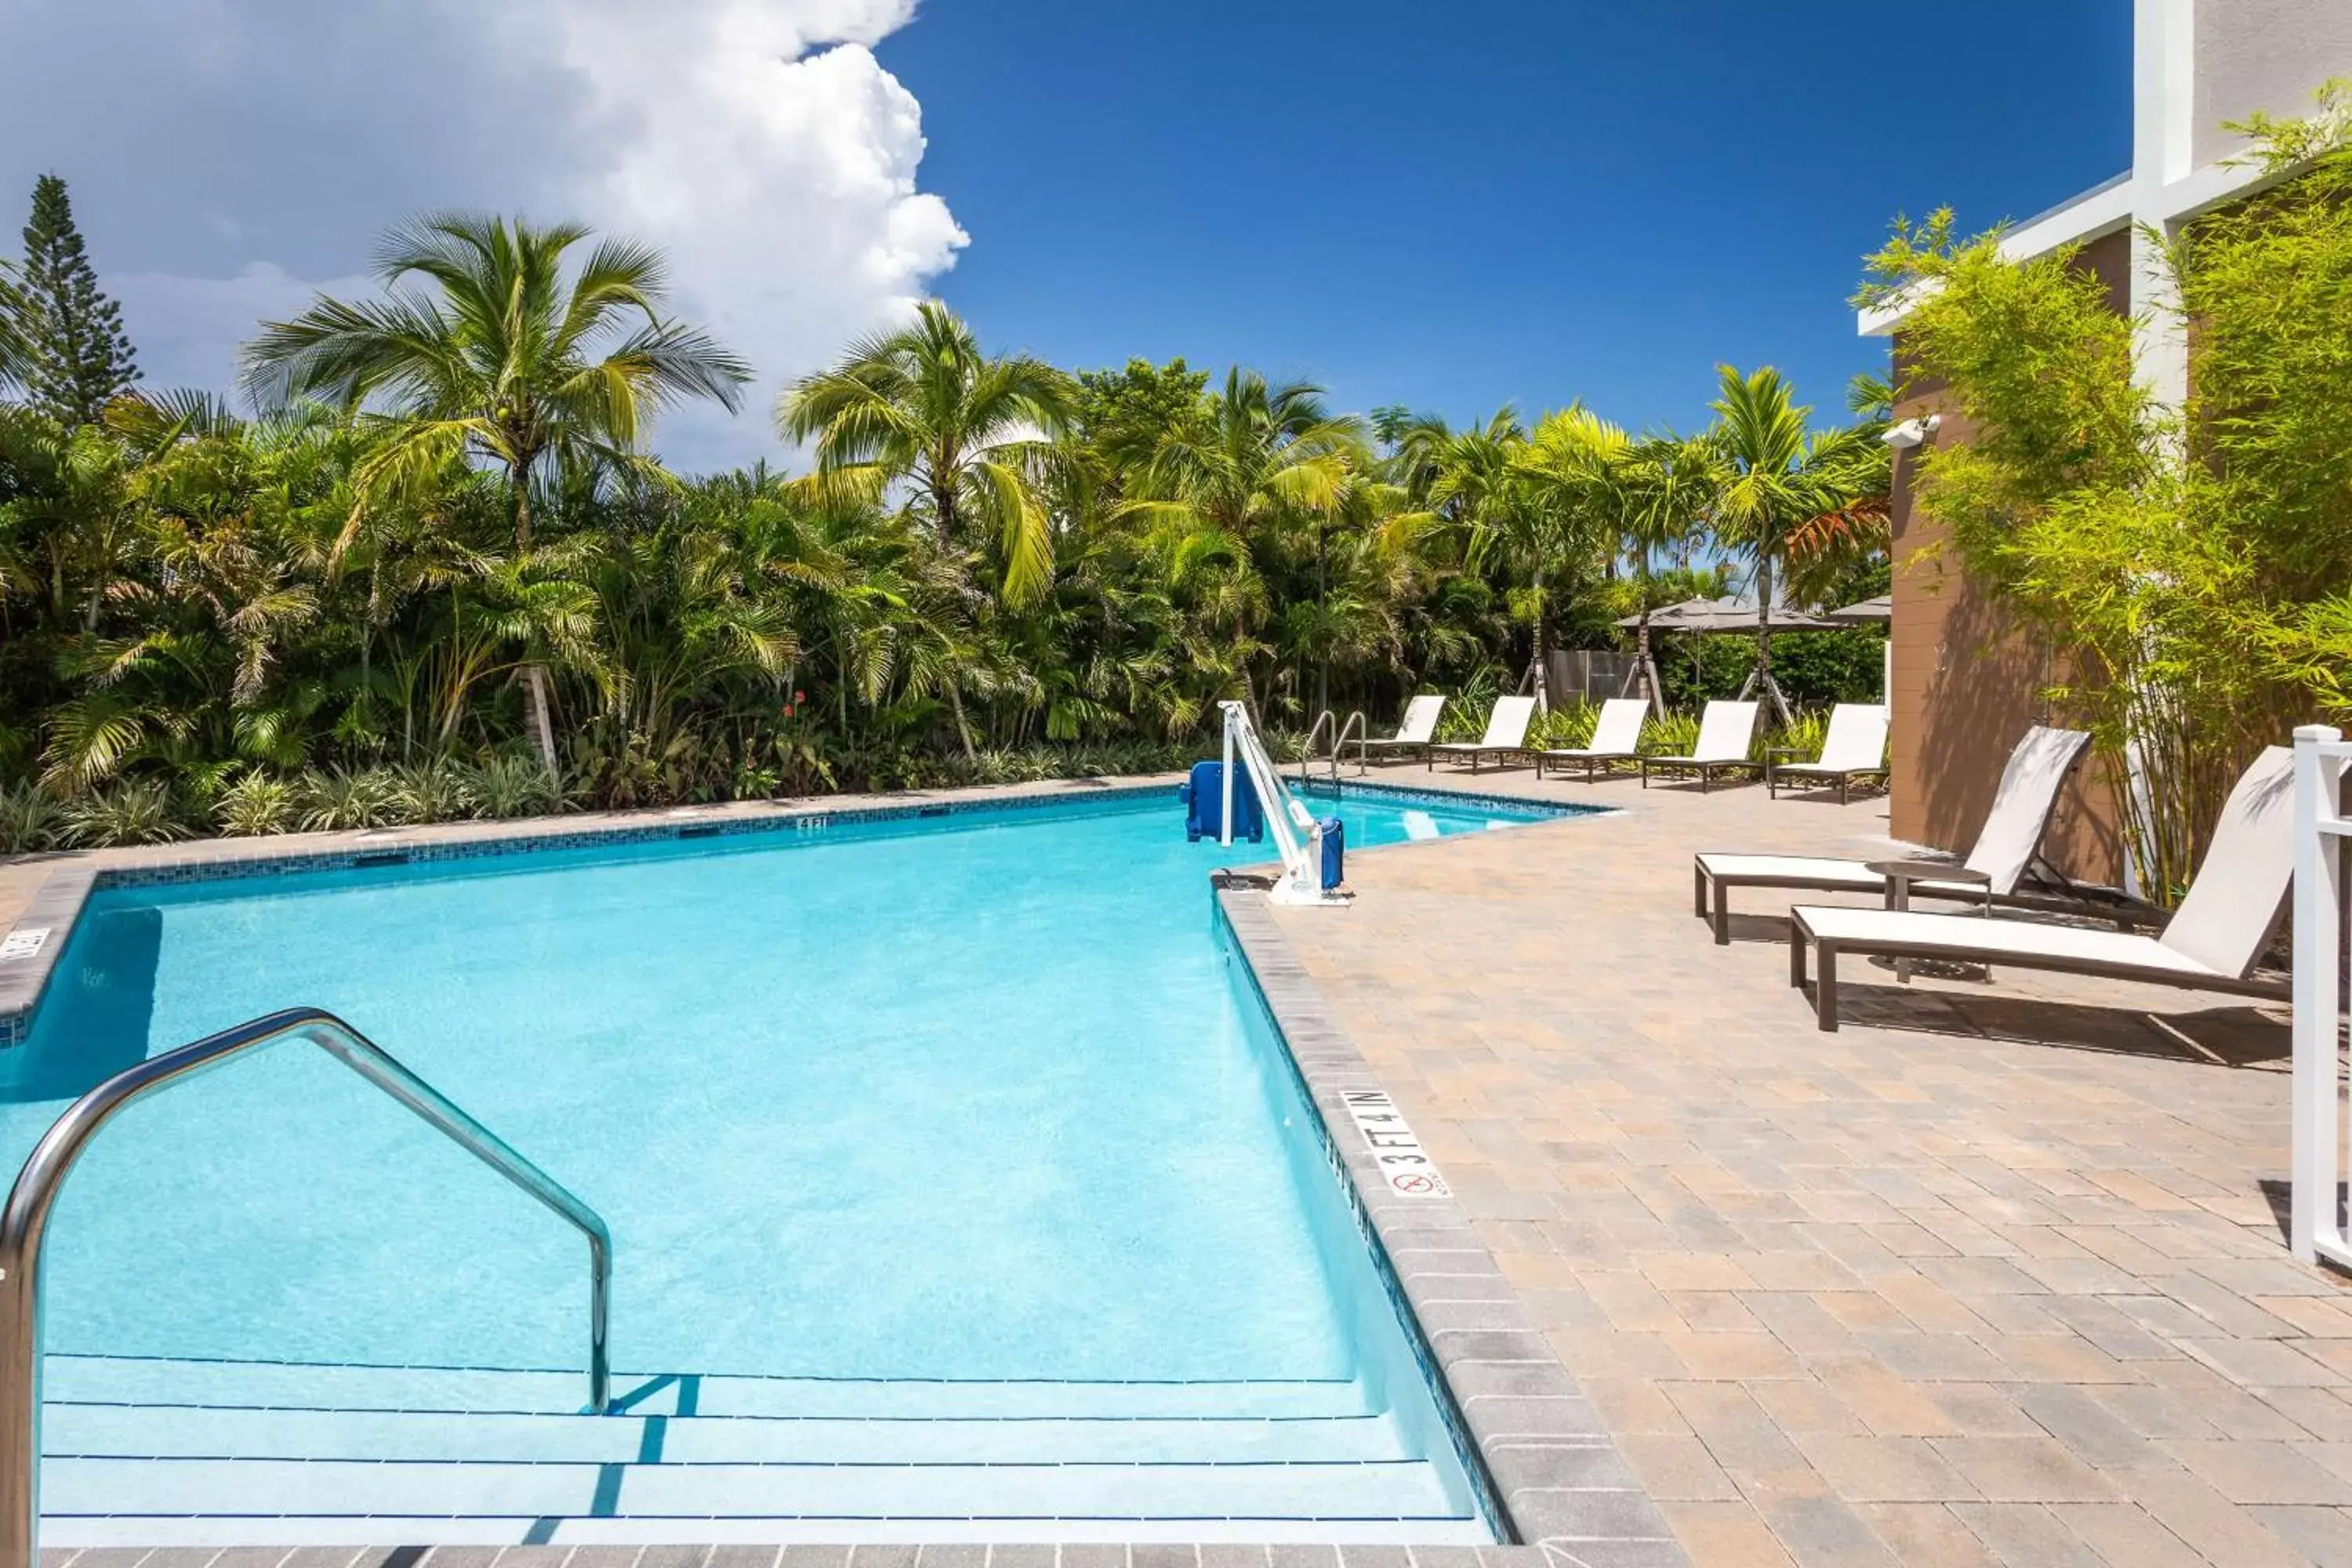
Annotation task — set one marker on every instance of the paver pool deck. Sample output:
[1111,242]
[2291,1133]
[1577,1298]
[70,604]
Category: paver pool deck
[1993,1276]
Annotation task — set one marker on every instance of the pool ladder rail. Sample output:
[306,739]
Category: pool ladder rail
[23,1224]
[1356,725]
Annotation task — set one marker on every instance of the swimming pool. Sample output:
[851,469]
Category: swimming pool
[897,1125]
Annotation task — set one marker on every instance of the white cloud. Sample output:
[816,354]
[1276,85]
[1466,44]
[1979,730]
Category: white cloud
[758,142]
[780,181]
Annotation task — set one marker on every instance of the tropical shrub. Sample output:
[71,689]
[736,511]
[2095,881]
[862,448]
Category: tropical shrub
[1567,724]
[143,812]
[322,617]
[436,791]
[256,804]
[348,798]
[29,819]
[510,786]
[1802,735]
[1669,734]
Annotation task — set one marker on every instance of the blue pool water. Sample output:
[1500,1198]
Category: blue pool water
[977,1098]
[971,1101]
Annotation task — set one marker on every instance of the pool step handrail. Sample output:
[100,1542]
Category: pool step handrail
[1323,720]
[1297,834]
[23,1224]
[1360,727]
[1356,725]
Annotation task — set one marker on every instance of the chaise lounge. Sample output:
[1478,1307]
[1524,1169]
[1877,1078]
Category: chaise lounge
[1616,738]
[1413,735]
[1855,747]
[1505,736]
[2211,943]
[2006,848]
[1725,729]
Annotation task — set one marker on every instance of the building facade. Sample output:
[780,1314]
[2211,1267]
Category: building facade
[1967,680]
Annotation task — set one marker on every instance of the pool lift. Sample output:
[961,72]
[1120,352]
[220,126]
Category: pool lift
[1303,876]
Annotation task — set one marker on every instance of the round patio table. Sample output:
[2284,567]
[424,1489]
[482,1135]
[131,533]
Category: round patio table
[1901,874]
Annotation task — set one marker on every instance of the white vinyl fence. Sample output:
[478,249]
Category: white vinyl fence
[2316,1216]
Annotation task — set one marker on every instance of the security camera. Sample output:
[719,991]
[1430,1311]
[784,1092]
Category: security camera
[1911,432]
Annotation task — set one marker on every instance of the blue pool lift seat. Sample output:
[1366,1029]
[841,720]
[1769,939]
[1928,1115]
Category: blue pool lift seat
[1204,805]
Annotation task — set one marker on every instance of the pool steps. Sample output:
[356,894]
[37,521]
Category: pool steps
[161,1452]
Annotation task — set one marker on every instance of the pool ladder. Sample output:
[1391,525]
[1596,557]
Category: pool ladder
[25,1222]
[1355,726]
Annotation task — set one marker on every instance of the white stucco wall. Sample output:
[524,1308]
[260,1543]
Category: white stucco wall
[2262,53]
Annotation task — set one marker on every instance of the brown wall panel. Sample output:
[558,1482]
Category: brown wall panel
[1969,678]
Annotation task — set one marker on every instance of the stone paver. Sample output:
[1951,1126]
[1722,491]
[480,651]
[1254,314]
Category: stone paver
[1991,1277]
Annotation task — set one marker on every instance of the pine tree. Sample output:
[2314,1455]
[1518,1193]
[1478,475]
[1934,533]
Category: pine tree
[72,333]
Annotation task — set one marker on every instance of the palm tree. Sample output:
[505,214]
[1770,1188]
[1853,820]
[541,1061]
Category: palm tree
[1472,479]
[71,515]
[1669,483]
[922,405]
[507,362]
[1264,457]
[1779,478]
[1242,483]
[1503,503]
[1573,476]
[16,357]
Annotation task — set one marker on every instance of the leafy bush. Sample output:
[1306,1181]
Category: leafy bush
[1670,735]
[1804,735]
[29,820]
[513,784]
[2189,567]
[139,813]
[255,804]
[1570,724]
[347,799]
[431,792]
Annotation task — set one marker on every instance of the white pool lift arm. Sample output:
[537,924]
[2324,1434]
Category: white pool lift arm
[1291,822]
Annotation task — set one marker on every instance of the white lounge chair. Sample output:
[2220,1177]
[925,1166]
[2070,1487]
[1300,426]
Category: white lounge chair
[1616,738]
[1725,729]
[2211,943]
[1505,736]
[1413,736]
[1855,747]
[2007,846]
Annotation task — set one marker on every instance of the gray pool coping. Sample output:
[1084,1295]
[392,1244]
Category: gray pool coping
[1552,1474]
[965,1554]
[1555,1473]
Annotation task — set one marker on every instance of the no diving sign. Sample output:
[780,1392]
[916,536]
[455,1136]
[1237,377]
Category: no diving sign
[1410,1172]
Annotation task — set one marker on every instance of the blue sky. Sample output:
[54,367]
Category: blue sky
[1449,206]
[1456,206]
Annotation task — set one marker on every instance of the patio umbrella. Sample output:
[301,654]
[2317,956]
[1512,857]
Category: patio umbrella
[1869,611]
[1731,616]
[1728,615]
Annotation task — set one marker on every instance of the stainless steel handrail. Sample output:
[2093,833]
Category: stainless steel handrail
[1363,728]
[23,1224]
[1306,751]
